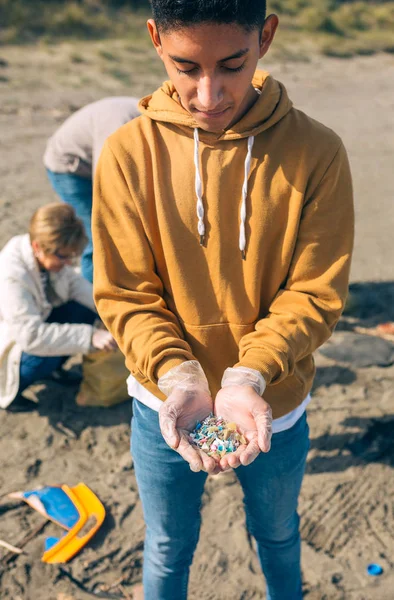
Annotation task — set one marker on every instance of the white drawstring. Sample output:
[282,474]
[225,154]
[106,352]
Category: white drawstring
[242,235]
[198,187]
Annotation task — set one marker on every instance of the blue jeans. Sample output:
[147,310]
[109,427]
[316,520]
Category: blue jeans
[78,192]
[171,499]
[33,368]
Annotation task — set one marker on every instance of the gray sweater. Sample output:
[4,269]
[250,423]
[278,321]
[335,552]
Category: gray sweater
[75,147]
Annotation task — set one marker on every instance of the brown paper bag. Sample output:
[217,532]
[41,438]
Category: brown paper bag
[104,379]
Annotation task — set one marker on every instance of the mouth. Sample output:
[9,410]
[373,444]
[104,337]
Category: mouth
[212,114]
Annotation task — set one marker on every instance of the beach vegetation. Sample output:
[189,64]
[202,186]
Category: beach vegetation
[336,27]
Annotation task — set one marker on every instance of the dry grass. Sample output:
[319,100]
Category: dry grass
[25,21]
[332,27]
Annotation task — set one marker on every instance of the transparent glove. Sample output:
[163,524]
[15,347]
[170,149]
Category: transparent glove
[240,401]
[189,375]
[188,401]
[244,376]
[103,340]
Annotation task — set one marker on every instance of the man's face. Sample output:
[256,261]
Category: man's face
[211,66]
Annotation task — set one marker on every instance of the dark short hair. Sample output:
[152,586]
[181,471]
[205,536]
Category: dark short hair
[175,14]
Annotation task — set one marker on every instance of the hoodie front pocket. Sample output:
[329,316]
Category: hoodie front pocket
[216,347]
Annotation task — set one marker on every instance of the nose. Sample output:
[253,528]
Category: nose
[209,93]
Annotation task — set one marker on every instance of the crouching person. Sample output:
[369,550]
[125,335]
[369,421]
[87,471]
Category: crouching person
[46,308]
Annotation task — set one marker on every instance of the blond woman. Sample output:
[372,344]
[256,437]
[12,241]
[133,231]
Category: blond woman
[46,308]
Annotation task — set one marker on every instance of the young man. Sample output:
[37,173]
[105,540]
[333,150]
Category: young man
[222,240]
[72,152]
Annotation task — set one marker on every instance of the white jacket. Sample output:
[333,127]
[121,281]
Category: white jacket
[24,309]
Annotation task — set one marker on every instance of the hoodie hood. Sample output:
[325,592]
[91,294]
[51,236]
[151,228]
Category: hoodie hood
[272,105]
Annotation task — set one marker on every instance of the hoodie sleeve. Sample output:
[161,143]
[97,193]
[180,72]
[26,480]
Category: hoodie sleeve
[305,311]
[127,290]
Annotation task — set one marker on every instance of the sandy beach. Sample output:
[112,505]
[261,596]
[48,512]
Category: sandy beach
[346,506]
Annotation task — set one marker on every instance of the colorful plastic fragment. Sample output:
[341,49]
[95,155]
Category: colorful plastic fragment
[216,437]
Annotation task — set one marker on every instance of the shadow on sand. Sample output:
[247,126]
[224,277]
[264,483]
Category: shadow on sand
[371,301]
[374,445]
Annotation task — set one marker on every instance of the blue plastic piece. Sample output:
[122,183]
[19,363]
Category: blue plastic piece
[50,542]
[57,504]
[374,569]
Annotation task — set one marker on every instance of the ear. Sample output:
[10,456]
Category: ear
[268,34]
[155,37]
[36,246]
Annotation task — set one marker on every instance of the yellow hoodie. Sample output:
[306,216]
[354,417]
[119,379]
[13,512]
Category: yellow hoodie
[275,187]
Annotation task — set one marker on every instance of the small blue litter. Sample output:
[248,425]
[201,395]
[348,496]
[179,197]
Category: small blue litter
[374,569]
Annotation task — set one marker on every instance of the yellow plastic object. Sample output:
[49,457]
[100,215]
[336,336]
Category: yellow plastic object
[104,379]
[37,505]
[76,538]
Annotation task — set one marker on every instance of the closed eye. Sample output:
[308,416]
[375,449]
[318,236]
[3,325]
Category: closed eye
[225,69]
[186,72]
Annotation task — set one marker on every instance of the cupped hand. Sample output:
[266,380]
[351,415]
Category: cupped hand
[178,416]
[242,405]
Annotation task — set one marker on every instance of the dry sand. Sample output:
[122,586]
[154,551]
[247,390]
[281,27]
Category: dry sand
[346,504]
